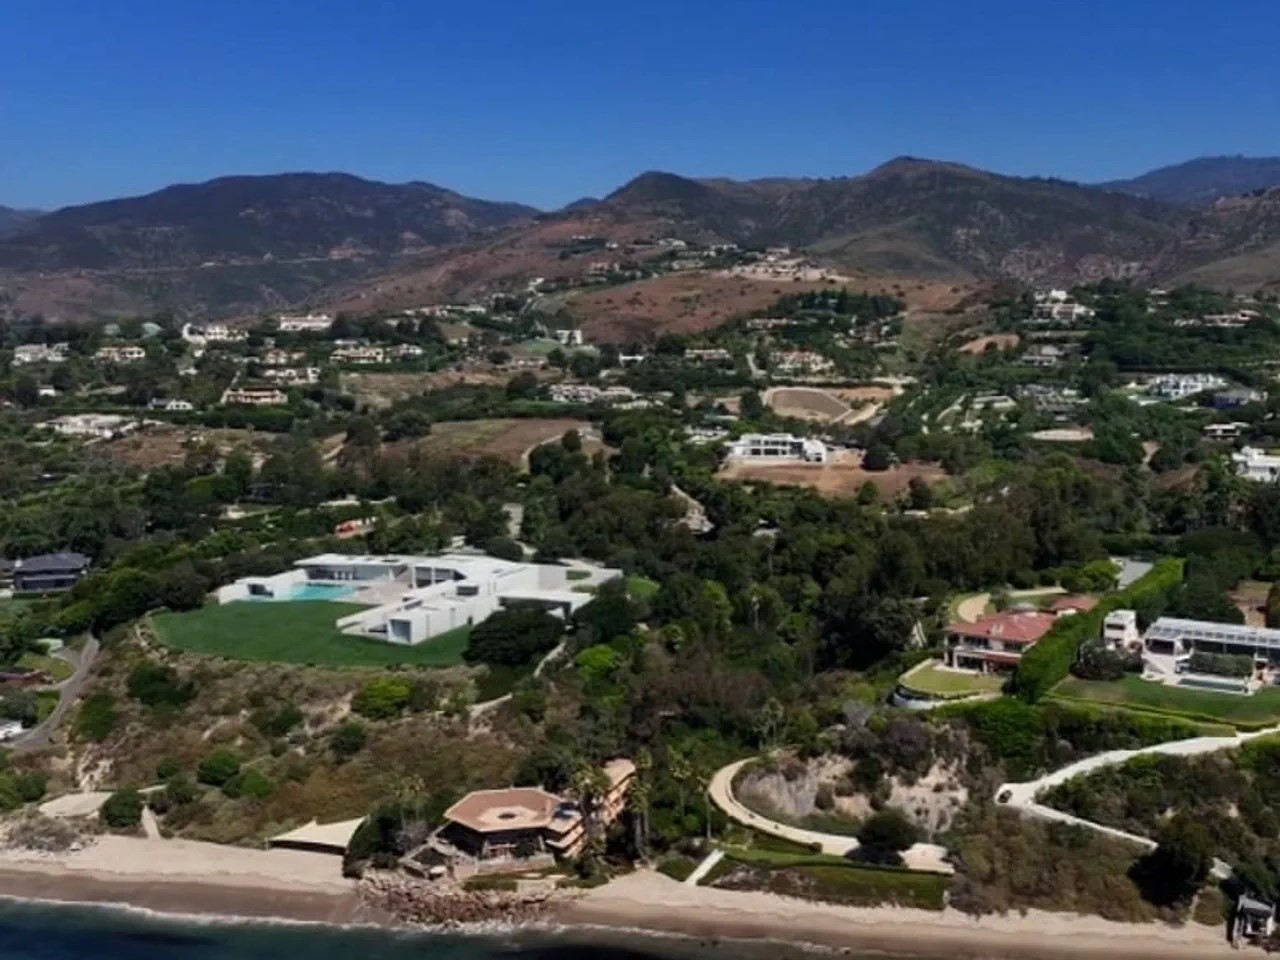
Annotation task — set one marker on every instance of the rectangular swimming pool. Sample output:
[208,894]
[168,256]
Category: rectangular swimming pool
[1217,686]
[311,591]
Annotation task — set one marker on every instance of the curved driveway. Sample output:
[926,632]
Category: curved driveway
[923,856]
[41,735]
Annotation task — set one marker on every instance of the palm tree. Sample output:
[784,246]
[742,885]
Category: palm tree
[680,770]
[641,792]
[590,784]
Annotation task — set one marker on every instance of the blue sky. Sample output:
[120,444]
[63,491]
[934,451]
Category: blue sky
[546,101]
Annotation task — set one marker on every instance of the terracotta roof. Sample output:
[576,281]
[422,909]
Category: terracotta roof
[1008,627]
[516,808]
[1074,602]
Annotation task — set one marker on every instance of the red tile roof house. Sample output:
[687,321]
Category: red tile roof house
[996,643]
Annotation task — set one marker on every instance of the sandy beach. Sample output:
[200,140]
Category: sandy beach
[183,876]
[649,901]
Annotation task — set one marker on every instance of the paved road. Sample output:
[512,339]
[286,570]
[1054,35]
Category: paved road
[923,856]
[41,735]
[1023,796]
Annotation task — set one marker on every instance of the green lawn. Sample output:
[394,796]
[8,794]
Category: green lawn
[1261,709]
[642,588]
[57,669]
[299,631]
[932,680]
[835,879]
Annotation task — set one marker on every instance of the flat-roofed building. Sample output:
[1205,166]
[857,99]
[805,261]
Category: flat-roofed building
[1175,636]
[310,323]
[254,397]
[778,446]
[1120,630]
[412,599]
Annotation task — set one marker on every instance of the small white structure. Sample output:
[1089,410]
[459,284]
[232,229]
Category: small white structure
[310,323]
[275,357]
[414,598]
[1056,306]
[585,393]
[1256,465]
[570,338]
[778,446]
[213,333]
[800,361]
[9,730]
[1120,630]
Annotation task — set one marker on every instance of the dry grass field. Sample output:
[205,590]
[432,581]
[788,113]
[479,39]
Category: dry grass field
[806,403]
[842,476]
[165,444]
[509,440]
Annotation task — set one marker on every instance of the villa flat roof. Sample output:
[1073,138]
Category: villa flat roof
[1176,628]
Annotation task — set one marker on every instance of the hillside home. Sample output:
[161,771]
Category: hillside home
[586,393]
[570,338]
[254,397]
[359,354]
[709,355]
[415,598]
[995,643]
[1179,386]
[275,357]
[780,447]
[98,426]
[30,353]
[1120,630]
[1178,637]
[49,573]
[800,361]
[1224,431]
[522,822]
[292,374]
[171,405]
[214,333]
[1043,356]
[1256,465]
[125,354]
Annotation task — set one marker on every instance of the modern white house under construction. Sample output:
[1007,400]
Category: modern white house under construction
[410,599]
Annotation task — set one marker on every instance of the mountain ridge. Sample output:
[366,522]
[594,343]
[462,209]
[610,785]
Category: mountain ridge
[1201,181]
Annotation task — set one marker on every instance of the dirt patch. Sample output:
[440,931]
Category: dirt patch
[805,403]
[872,393]
[381,390]
[841,476]
[1250,598]
[994,341]
[509,440]
[164,445]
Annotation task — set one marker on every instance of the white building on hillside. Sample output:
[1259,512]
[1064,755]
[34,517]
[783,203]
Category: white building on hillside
[1120,630]
[1254,464]
[254,397]
[778,446]
[39,353]
[125,354]
[359,354]
[415,598]
[310,323]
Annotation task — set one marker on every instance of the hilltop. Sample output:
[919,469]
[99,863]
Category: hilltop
[1202,181]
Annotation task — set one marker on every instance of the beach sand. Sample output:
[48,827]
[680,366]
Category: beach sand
[184,876]
[646,900]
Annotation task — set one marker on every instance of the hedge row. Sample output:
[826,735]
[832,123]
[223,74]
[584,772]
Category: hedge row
[1050,659]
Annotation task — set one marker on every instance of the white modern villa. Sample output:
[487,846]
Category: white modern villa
[410,599]
[778,446]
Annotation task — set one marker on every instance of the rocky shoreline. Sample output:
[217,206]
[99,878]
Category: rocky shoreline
[443,903]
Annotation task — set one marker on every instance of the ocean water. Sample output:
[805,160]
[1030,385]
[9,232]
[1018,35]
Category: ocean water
[34,931]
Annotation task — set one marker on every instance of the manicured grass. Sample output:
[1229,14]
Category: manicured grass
[932,680]
[835,879]
[1261,709]
[296,632]
[642,588]
[57,669]
[677,867]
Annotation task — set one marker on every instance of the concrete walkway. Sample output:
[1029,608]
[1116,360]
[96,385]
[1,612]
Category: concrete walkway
[923,856]
[702,869]
[1024,796]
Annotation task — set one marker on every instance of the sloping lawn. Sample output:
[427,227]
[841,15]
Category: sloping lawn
[932,680]
[1261,709]
[296,632]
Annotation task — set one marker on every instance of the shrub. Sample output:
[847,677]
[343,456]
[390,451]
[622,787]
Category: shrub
[97,717]
[382,698]
[30,786]
[122,809]
[884,836]
[218,767]
[249,783]
[279,722]
[347,740]
[168,768]
[156,685]
[515,636]
[180,791]
[504,548]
